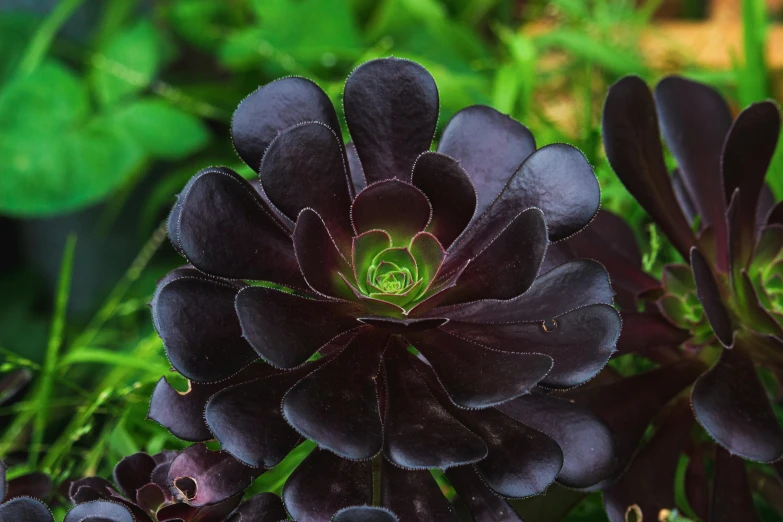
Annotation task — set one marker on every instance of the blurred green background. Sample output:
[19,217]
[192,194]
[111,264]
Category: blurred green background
[107,107]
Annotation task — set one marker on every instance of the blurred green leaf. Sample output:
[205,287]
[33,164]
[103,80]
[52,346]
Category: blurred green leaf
[294,34]
[58,159]
[16,28]
[127,63]
[162,130]
[604,53]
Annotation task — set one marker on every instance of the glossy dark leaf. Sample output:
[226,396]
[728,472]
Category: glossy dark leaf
[731,497]
[419,432]
[414,495]
[364,514]
[248,420]
[508,264]
[476,376]
[337,405]
[399,208]
[318,256]
[522,461]
[134,472]
[649,481]
[355,168]
[391,108]
[195,317]
[202,477]
[90,488]
[558,180]
[569,286]
[304,167]
[709,295]
[684,197]
[263,507]
[589,448]
[226,230]
[309,493]
[273,108]
[26,510]
[729,401]
[579,342]
[182,412]
[96,511]
[694,122]
[633,147]
[747,154]
[483,503]
[286,329]
[451,194]
[630,404]
[490,146]
[150,498]
[219,511]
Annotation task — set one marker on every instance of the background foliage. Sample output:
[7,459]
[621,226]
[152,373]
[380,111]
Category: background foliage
[108,107]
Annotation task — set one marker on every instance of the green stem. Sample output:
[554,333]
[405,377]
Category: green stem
[43,395]
[42,39]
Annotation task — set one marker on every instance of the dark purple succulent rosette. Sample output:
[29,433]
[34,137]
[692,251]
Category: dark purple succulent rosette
[708,323]
[194,485]
[397,294]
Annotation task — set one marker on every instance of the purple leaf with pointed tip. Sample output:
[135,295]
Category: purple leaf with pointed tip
[695,120]
[729,401]
[710,297]
[633,147]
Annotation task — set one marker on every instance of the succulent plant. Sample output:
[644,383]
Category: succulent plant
[396,294]
[194,485]
[722,165]
[709,323]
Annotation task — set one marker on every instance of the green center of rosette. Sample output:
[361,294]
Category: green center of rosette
[400,275]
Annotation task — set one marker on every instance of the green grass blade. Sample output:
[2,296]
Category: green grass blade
[42,39]
[43,395]
[754,80]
